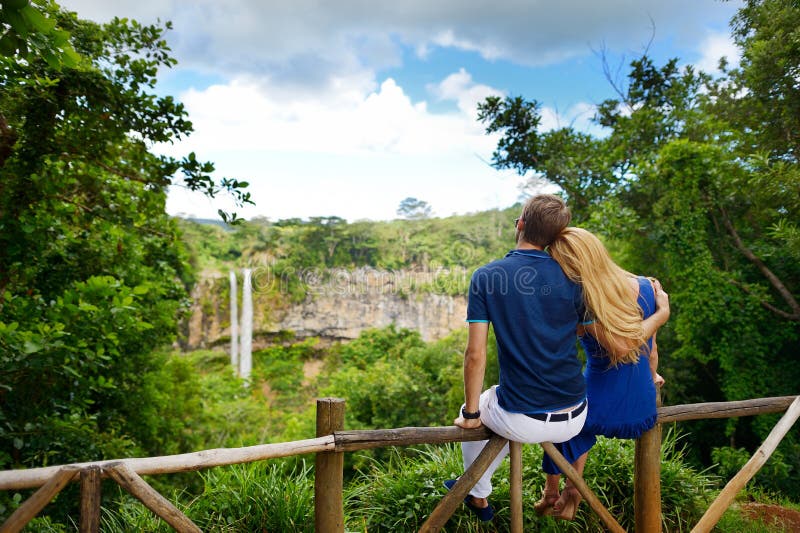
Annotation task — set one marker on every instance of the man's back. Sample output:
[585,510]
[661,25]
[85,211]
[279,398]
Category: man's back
[534,309]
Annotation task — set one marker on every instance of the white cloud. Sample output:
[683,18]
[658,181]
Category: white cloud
[460,88]
[304,42]
[577,116]
[244,115]
[715,46]
[345,155]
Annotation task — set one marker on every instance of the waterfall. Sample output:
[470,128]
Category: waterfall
[246,356]
[234,323]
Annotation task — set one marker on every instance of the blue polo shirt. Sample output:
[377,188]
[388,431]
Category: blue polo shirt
[535,310]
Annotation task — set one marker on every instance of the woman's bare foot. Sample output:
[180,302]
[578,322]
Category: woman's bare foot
[545,504]
[567,505]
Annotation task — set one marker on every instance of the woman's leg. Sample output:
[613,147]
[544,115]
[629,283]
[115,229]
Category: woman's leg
[567,505]
[550,495]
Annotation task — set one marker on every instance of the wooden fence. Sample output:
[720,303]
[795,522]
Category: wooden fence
[332,442]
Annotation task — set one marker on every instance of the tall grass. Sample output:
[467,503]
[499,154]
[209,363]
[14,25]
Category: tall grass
[272,497]
[399,494]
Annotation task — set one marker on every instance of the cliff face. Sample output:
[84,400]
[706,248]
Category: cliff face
[338,305]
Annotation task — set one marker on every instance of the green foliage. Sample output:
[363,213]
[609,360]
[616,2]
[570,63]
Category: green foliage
[274,496]
[390,378]
[89,353]
[373,345]
[412,208]
[93,274]
[777,476]
[697,182]
[567,158]
[767,31]
[295,248]
[399,494]
[30,32]
[394,492]
[230,414]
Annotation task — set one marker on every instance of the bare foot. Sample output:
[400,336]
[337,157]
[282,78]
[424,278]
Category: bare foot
[567,505]
[545,504]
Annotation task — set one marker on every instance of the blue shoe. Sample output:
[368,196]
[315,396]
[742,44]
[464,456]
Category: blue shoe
[485,514]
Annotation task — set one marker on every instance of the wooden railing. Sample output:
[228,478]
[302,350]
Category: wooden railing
[332,442]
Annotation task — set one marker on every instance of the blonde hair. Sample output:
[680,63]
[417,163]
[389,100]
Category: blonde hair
[606,288]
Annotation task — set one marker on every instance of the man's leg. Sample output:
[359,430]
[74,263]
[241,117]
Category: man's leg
[470,451]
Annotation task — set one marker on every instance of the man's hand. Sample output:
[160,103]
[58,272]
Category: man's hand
[465,423]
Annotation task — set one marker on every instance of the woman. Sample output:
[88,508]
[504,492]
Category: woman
[622,357]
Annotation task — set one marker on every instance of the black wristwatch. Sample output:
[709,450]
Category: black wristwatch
[470,416]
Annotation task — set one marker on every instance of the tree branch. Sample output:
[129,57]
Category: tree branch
[776,283]
[780,312]
[91,211]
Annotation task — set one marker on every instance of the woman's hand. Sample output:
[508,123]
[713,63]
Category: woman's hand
[467,423]
[662,301]
[658,380]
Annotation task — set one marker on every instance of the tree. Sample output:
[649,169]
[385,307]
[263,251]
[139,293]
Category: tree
[564,157]
[93,276]
[414,209]
[768,32]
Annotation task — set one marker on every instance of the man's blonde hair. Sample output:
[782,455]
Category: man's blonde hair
[606,288]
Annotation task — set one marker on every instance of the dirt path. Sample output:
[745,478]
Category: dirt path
[773,515]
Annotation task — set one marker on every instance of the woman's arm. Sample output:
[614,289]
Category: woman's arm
[619,346]
[653,357]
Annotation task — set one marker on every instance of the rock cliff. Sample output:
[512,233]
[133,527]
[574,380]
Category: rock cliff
[337,305]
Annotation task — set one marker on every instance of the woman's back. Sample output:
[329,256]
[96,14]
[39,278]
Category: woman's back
[622,398]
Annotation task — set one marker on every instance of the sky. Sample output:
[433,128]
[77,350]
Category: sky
[344,108]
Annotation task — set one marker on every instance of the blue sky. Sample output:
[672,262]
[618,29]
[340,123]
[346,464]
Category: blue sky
[345,108]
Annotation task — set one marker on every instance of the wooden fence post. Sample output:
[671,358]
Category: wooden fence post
[329,470]
[447,506]
[647,479]
[31,507]
[150,497]
[90,499]
[515,449]
[590,497]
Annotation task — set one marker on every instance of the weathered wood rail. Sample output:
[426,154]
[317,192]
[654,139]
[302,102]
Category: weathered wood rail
[332,442]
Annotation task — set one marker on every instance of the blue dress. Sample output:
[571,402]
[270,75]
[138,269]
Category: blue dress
[622,399]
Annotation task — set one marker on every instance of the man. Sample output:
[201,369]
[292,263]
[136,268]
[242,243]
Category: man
[535,310]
